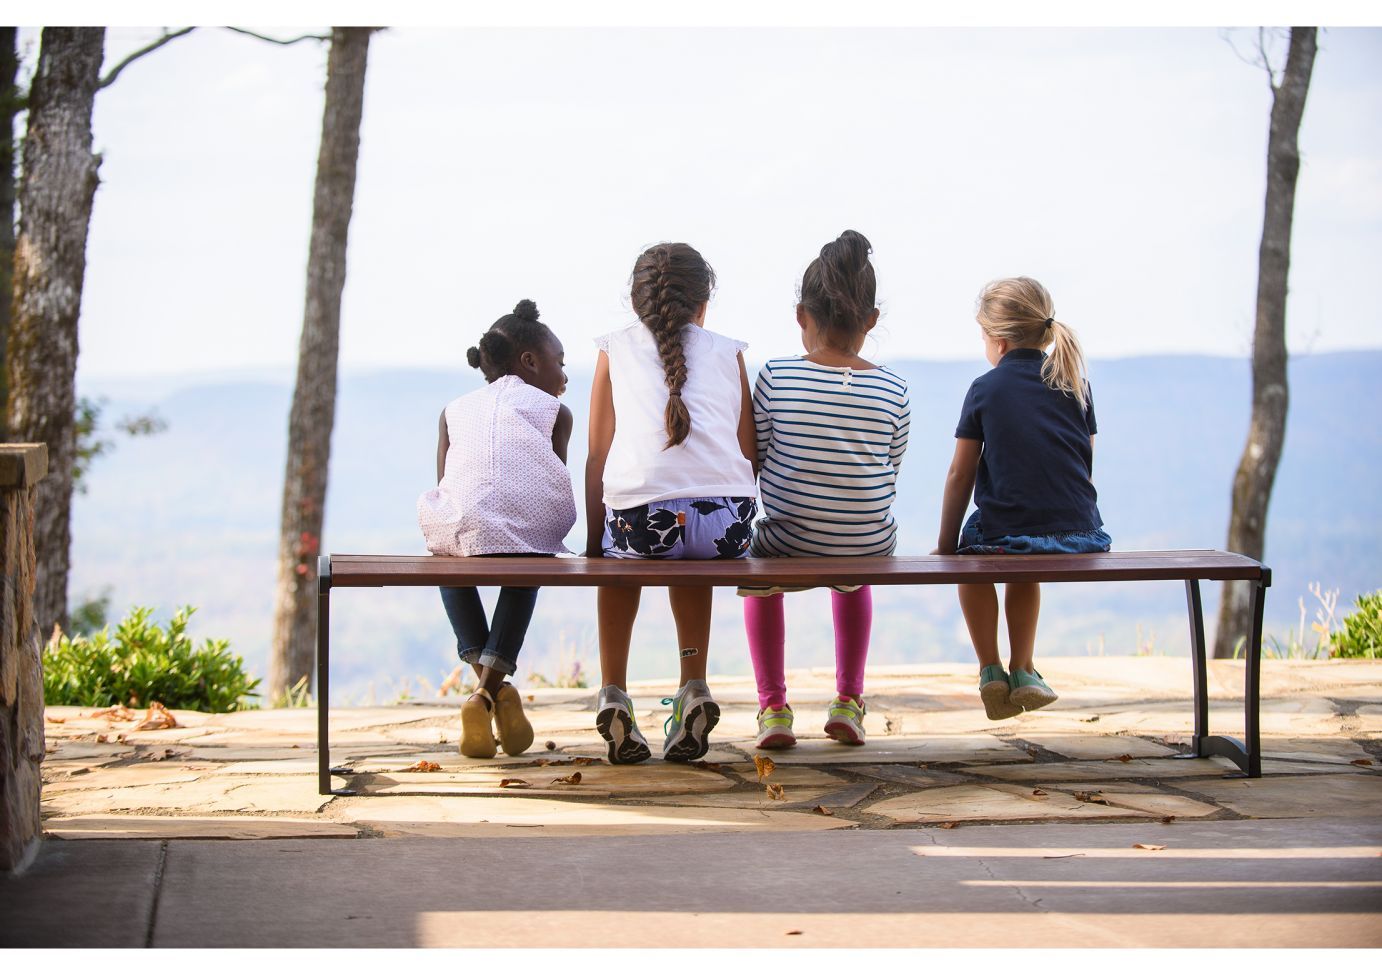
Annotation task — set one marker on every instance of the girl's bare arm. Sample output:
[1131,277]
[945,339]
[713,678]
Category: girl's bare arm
[748,436]
[443,445]
[959,486]
[561,431]
[601,437]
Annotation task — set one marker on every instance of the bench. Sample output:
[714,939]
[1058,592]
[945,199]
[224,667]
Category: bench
[1188,566]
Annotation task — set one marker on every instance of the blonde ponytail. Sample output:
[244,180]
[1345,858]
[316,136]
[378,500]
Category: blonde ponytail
[1019,310]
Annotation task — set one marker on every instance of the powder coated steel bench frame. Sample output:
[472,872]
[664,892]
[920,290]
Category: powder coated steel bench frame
[1188,566]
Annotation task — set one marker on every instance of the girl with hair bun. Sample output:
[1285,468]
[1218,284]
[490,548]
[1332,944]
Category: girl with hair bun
[831,429]
[1024,448]
[669,476]
[503,490]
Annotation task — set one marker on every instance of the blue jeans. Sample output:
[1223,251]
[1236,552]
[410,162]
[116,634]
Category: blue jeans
[477,641]
[973,543]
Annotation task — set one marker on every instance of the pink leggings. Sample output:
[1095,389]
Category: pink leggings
[767,631]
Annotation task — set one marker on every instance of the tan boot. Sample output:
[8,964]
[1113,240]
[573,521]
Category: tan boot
[515,731]
[477,737]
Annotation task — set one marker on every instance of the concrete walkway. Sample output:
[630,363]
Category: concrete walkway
[1071,826]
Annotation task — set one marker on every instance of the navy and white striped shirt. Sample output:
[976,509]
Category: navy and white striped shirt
[830,442]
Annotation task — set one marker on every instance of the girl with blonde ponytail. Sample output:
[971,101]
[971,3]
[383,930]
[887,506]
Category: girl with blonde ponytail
[1024,448]
[669,476]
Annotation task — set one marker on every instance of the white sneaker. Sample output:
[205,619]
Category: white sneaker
[614,719]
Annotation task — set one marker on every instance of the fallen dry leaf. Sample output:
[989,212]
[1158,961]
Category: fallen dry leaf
[1167,819]
[823,811]
[54,718]
[423,766]
[1150,847]
[1125,758]
[948,825]
[795,932]
[102,738]
[573,779]
[1084,797]
[1361,762]
[115,713]
[774,791]
[1092,718]
[532,698]
[1038,792]
[584,761]
[157,717]
[514,784]
[765,767]
[702,764]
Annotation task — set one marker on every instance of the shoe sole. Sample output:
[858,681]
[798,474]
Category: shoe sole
[1031,697]
[616,727]
[694,740]
[777,740]
[477,740]
[998,700]
[515,731]
[844,732]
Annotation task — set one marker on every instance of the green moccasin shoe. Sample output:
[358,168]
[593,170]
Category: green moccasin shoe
[995,691]
[1029,690]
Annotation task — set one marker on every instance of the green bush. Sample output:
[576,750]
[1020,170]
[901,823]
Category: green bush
[1360,635]
[142,663]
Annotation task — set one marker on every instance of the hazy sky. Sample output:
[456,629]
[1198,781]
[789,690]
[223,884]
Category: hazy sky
[1123,167]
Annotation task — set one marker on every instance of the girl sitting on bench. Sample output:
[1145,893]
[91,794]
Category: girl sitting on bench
[1025,448]
[503,491]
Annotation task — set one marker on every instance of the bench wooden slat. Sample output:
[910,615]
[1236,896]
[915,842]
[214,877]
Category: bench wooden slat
[1206,564]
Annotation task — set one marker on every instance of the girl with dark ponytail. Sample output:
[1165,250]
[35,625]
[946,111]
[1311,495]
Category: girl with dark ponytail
[669,476]
[831,431]
[503,489]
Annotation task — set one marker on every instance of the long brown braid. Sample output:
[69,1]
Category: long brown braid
[670,283]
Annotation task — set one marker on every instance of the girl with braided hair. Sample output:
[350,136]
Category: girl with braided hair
[669,476]
[1024,447]
[503,489]
[831,431]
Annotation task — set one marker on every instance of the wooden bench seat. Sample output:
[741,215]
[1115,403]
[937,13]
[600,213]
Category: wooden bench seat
[1187,566]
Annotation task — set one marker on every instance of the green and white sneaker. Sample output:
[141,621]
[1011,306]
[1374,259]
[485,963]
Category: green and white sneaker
[694,714]
[996,692]
[614,719]
[845,721]
[775,728]
[1030,690]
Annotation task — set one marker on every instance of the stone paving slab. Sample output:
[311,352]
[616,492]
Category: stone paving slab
[1343,795]
[951,804]
[507,817]
[906,749]
[595,780]
[183,828]
[1096,747]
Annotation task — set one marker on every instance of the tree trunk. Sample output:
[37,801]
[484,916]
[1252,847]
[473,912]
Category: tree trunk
[9,106]
[314,396]
[55,196]
[1252,486]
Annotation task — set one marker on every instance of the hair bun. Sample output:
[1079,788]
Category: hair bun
[472,356]
[526,310]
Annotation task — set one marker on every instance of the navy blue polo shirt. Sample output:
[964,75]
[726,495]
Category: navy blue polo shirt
[1034,470]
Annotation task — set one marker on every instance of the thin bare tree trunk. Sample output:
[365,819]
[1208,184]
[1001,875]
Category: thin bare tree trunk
[55,196]
[314,396]
[1252,486]
[9,107]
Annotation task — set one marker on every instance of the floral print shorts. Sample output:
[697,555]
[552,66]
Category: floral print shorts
[681,528]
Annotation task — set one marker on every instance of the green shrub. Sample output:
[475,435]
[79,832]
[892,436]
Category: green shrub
[142,663]
[1360,635]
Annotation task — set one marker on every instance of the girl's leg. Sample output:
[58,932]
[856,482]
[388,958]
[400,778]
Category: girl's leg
[1022,605]
[512,614]
[765,625]
[468,623]
[979,603]
[691,611]
[853,615]
[617,608]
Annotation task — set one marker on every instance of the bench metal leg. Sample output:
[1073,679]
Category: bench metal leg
[1247,757]
[323,674]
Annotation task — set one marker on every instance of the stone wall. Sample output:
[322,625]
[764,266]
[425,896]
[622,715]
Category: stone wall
[21,675]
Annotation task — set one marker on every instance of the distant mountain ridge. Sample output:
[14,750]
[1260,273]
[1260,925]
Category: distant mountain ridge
[191,515]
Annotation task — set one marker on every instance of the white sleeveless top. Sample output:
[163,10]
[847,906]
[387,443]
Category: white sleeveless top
[503,488]
[709,463]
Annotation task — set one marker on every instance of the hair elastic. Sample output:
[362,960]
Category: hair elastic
[1049,320]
